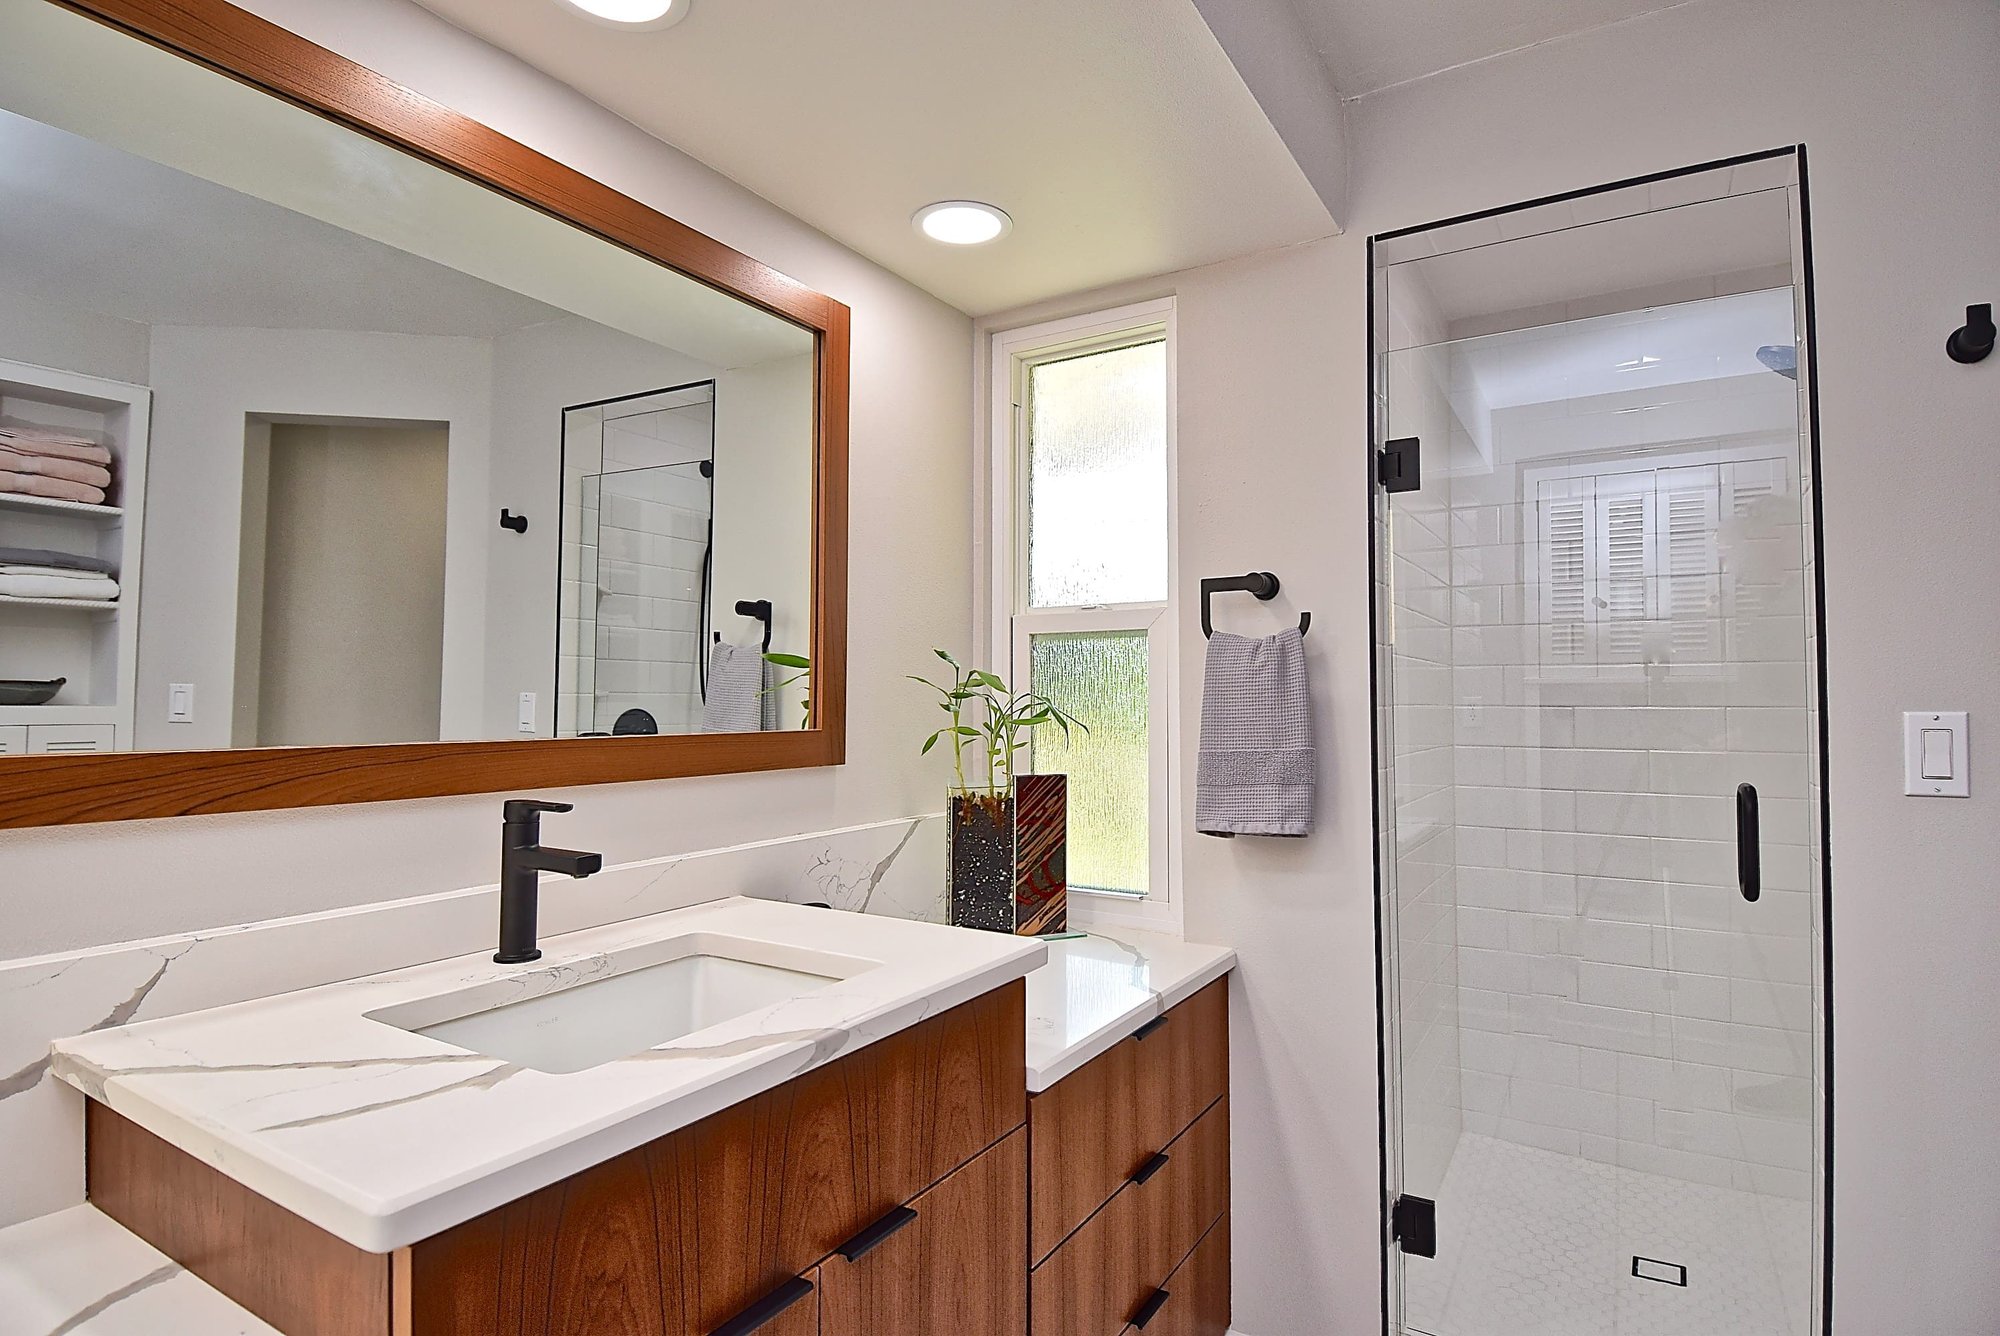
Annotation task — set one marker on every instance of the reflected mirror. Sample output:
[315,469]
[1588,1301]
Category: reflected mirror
[306,441]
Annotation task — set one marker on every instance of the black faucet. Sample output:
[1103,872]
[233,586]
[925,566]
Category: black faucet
[522,857]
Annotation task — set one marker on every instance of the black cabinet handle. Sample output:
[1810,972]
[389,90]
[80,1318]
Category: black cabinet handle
[1749,858]
[1150,1026]
[1149,1168]
[1151,1308]
[766,1308]
[877,1234]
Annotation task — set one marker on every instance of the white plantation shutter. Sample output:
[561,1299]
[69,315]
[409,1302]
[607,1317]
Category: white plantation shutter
[1631,561]
[1564,512]
[1750,492]
[1690,573]
[1623,533]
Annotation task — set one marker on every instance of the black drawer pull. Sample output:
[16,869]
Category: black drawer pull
[766,1308]
[1151,1308]
[1149,1168]
[877,1234]
[1150,1026]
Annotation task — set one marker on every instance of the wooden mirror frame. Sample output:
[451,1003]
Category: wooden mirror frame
[115,786]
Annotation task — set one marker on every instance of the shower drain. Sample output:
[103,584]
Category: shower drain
[1667,1273]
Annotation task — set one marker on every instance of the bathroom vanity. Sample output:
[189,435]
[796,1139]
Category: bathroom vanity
[837,1137]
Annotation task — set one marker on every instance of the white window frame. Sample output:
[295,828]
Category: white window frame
[1014,352]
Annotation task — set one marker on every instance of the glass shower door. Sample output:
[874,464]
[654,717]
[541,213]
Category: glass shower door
[1596,678]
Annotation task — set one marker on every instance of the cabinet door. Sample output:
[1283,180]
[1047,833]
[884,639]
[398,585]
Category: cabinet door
[958,1263]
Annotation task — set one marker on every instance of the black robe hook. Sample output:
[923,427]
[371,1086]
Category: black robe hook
[1973,340]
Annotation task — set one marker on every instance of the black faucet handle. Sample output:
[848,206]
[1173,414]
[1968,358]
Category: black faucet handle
[527,809]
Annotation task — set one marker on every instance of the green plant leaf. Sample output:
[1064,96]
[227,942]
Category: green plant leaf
[789,660]
[931,742]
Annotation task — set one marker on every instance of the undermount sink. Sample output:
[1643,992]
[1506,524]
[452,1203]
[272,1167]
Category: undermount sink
[569,1017]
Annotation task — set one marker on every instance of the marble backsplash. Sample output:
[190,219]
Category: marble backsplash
[894,868]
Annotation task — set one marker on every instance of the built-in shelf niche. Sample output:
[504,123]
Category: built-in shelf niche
[93,645]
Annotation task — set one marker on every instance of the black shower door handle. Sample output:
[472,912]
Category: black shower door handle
[1749,860]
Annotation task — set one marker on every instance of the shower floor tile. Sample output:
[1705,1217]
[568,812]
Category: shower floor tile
[1534,1243]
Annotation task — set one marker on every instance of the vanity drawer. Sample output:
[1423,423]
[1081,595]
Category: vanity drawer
[1101,1275]
[1094,1128]
[708,1220]
[951,1262]
[1197,1293]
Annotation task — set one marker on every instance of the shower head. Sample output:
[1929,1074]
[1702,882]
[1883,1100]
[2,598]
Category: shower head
[1782,358]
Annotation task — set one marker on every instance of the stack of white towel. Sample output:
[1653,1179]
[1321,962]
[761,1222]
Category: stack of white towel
[47,461]
[27,572]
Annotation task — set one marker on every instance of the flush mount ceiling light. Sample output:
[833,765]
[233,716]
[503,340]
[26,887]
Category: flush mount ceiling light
[963,222]
[632,15]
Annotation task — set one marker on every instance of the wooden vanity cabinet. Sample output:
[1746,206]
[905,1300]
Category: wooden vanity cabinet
[1129,1183]
[708,1231]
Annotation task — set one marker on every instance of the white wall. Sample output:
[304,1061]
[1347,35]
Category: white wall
[763,508]
[1905,159]
[910,418]
[537,372]
[207,383]
[38,330]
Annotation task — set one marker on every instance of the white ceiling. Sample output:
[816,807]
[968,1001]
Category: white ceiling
[1653,351]
[122,236]
[1369,45]
[1116,132]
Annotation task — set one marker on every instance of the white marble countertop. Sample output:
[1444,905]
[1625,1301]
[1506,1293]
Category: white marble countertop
[80,1273]
[1095,990]
[383,1136]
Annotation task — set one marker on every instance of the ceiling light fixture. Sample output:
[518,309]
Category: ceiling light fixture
[963,222]
[632,15]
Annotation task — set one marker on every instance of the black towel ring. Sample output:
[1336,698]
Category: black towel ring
[1261,584]
[761,610]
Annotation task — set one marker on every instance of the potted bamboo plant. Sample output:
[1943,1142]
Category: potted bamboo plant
[1008,835]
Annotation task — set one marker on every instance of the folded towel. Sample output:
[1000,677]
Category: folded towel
[738,698]
[63,561]
[1257,766]
[58,489]
[52,466]
[46,582]
[50,441]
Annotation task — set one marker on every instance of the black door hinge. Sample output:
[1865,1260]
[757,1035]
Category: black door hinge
[1413,1221]
[1399,465]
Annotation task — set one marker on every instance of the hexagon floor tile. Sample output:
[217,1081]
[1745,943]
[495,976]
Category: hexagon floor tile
[1534,1243]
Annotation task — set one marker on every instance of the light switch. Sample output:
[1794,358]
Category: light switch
[527,716]
[1937,753]
[1936,762]
[180,703]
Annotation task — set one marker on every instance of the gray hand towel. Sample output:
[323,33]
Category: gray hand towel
[1256,772]
[737,700]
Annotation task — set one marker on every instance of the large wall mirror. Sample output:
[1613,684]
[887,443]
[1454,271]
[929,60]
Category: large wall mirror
[351,451]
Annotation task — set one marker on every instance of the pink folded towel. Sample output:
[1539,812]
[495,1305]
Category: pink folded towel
[73,470]
[61,489]
[31,440]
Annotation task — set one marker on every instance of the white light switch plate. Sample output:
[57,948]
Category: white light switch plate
[180,703]
[1936,754]
[527,715]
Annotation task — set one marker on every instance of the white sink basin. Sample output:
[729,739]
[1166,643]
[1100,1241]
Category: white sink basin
[578,1016]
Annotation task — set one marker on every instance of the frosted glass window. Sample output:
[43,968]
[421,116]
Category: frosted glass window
[1101,678]
[1097,478]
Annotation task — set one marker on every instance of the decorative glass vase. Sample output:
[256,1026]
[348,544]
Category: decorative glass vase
[1009,857]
